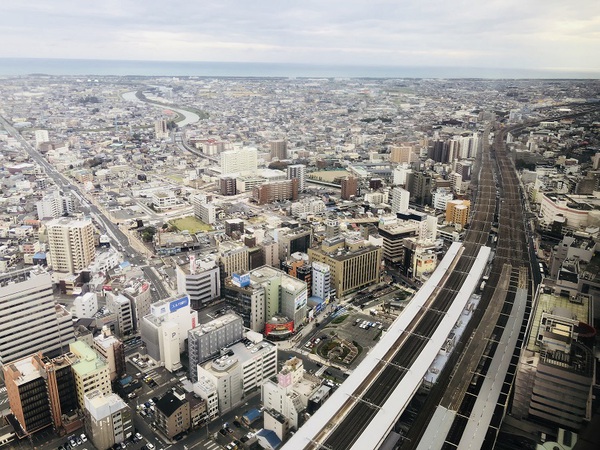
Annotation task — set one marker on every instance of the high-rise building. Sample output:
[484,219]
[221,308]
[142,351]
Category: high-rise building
[91,371]
[241,160]
[204,209]
[161,129]
[400,199]
[227,185]
[441,197]
[108,419]
[200,279]
[206,340]
[276,191]
[41,391]
[298,171]
[298,266]
[233,258]
[400,174]
[41,136]
[354,262]
[71,244]
[419,184]
[121,306]
[393,234]
[30,320]
[457,211]
[349,188]
[54,205]
[278,149]
[321,280]
[403,154]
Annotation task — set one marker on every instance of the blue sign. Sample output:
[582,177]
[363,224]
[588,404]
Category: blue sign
[179,303]
[241,280]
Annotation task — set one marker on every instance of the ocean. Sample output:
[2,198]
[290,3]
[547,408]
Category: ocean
[90,67]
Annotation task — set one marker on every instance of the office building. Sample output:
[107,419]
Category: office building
[457,211]
[233,258]
[200,279]
[349,188]
[298,266]
[441,197]
[321,280]
[41,393]
[30,320]
[227,185]
[278,149]
[247,300]
[86,305]
[353,262]
[393,233]
[298,171]
[419,184]
[206,340]
[163,200]
[207,391]
[400,174]
[41,136]
[234,226]
[165,330]
[293,240]
[91,371]
[172,414]
[555,374]
[139,293]
[275,191]
[109,420]
[71,243]
[241,160]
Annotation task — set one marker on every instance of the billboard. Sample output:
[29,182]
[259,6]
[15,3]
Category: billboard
[174,305]
[279,327]
[241,280]
[300,301]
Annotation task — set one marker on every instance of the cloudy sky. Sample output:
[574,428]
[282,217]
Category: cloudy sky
[528,34]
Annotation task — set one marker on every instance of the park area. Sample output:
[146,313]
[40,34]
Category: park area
[191,224]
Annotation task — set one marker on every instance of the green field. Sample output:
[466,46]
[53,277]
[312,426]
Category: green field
[190,223]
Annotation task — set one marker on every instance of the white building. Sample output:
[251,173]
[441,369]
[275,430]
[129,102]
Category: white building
[41,136]
[236,375]
[30,319]
[239,160]
[207,390]
[108,419]
[55,205]
[121,306]
[86,305]
[400,199]
[307,206]
[165,330]
[441,197]
[204,209]
[164,199]
[321,280]
[200,280]
[400,174]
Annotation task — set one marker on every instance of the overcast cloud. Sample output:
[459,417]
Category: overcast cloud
[528,34]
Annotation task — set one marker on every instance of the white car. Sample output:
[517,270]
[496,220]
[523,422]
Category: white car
[150,446]
[83,437]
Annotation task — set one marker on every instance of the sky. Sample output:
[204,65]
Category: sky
[552,35]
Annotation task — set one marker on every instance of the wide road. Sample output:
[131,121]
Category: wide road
[119,238]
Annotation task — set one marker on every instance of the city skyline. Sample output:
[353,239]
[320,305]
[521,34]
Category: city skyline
[543,36]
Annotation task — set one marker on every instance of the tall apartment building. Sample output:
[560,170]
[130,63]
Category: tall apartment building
[349,188]
[321,280]
[71,244]
[30,320]
[227,185]
[278,149]
[400,174]
[204,209]
[200,279]
[55,205]
[41,136]
[206,340]
[172,413]
[239,161]
[457,211]
[400,199]
[91,371]
[276,191]
[109,420]
[41,392]
[419,184]
[298,171]
[402,154]
[161,129]
[354,263]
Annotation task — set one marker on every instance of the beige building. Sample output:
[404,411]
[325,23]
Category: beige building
[457,211]
[111,349]
[108,419]
[91,372]
[354,262]
[233,257]
[402,154]
[71,244]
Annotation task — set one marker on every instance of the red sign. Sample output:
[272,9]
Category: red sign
[279,327]
[107,287]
